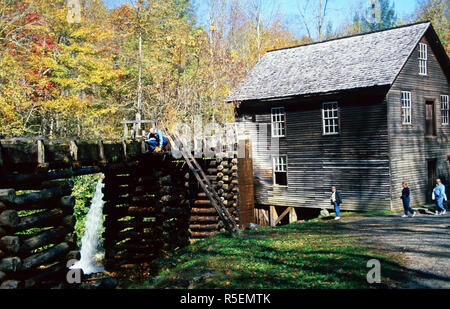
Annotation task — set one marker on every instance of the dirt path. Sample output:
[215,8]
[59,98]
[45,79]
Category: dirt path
[423,240]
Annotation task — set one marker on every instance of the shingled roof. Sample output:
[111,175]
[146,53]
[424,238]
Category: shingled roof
[367,60]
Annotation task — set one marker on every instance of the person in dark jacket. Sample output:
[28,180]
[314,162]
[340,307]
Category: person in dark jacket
[156,141]
[336,201]
[406,200]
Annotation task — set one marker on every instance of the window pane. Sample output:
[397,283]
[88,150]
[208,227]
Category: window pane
[406,107]
[278,122]
[330,118]
[445,112]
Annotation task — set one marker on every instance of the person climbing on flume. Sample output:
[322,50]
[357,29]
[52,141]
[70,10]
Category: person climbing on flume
[156,141]
[439,196]
[406,200]
[336,201]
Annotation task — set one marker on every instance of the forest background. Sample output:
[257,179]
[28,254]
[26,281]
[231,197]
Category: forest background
[80,77]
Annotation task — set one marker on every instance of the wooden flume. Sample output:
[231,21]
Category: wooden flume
[152,205]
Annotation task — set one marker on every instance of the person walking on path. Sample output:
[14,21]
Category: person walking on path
[336,201]
[406,201]
[439,196]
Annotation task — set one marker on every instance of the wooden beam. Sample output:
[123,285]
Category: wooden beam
[9,218]
[284,214]
[46,256]
[7,195]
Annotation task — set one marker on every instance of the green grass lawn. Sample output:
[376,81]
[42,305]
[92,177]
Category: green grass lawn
[297,256]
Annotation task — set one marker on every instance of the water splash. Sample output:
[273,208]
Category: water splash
[90,240]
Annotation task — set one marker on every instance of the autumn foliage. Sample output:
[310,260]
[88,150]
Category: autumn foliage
[62,79]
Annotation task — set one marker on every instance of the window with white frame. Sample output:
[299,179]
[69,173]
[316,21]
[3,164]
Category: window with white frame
[406,107]
[278,122]
[423,59]
[330,117]
[280,170]
[445,110]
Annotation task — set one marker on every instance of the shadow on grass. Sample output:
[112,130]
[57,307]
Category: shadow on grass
[291,257]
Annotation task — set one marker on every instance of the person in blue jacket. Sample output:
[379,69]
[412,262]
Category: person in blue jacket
[406,201]
[156,141]
[336,201]
[439,196]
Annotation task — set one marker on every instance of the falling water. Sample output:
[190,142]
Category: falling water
[90,240]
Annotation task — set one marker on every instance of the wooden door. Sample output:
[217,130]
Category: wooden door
[430,119]
[432,175]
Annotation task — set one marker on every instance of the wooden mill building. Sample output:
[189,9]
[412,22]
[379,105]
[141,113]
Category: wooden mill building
[362,113]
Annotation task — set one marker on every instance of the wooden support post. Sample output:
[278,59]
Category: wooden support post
[292,215]
[273,215]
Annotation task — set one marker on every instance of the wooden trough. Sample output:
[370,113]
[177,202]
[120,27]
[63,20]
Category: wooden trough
[152,205]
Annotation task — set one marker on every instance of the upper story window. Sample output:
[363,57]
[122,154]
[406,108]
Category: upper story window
[406,107]
[445,109]
[423,59]
[278,122]
[280,171]
[330,117]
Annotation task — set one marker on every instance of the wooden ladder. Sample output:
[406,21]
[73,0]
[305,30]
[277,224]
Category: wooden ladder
[207,187]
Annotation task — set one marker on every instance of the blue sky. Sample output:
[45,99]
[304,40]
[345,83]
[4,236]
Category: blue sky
[339,11]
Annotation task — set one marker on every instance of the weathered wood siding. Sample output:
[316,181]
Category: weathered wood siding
[409,148]
[356,161]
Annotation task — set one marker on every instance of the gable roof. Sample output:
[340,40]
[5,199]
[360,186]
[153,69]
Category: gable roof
[360,61]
